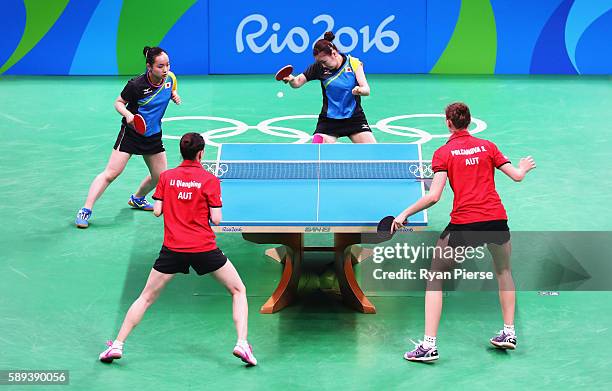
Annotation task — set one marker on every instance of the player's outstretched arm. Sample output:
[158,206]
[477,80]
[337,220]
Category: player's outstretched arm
[157,208]
[296,81]
[525,165]
[428,200]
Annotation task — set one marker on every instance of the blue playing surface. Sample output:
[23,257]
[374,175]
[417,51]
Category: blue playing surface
[337,202]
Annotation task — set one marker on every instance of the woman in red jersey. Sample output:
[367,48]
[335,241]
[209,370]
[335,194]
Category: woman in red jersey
[478,217]
[190,199]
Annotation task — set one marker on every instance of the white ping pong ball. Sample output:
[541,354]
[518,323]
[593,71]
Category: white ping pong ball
[279,94]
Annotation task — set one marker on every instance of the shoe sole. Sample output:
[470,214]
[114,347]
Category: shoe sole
[134,206]
[82,226]
[422,359]
[503,345]
[243,359]
[108,360]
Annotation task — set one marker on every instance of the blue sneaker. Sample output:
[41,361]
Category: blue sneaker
[140,203]
[504,341]
[82,218]
[420,353]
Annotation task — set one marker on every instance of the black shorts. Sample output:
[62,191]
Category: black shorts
[343,127]
[171,262]
[477,234]
[132,142]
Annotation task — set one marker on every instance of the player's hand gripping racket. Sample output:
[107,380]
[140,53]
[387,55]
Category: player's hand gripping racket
[139,124]
[283,72]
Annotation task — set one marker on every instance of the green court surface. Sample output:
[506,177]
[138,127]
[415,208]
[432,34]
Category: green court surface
[64,292]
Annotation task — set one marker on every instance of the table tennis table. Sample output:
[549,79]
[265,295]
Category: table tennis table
[275,193]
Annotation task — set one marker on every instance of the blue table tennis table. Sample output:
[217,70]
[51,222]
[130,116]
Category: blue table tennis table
[275,193]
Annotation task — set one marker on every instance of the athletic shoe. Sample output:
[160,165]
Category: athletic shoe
[504,341]
[245,353]
[82,218]
[111,353]
[140,203]
[420,353]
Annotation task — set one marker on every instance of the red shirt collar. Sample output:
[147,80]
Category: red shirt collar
[191,163]
[461,133]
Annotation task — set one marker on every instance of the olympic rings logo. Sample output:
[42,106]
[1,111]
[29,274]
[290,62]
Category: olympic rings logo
[238,128]
[217,169]
[422,170]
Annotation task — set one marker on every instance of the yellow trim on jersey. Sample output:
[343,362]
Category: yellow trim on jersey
[355,63]
[174,82]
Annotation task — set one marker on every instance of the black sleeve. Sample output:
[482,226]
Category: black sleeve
[129,92]
[313,72]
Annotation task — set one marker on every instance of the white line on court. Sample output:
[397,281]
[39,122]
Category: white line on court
[302,137]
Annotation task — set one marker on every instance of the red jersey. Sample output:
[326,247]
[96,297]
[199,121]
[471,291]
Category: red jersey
[470,163]
[188,192]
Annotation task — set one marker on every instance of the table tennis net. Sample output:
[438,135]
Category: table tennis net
[331,169]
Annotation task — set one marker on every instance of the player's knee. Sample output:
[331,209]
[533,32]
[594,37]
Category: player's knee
[111,174]
[237,289]
[149,297]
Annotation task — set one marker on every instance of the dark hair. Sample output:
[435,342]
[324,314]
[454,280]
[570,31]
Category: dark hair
[459,115]
[325,45]
[151,53]
[191,144]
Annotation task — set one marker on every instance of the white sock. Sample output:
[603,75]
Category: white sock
[117,344]
[242,343]
[509,329]
[429,342]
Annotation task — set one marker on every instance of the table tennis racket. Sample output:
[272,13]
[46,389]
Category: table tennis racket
[383,230]
[283,72]
[139,124]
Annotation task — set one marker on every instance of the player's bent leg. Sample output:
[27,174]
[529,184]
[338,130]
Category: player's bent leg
[501,262]
[501,253]
[156,164]
[434,287]
[427,350]
[363,138]
[155,284]
[115,166]
[229,277]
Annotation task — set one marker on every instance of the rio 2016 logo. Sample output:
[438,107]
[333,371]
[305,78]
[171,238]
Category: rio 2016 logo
[303,39]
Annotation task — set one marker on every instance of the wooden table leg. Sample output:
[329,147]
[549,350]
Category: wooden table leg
[352,294]
[286,290]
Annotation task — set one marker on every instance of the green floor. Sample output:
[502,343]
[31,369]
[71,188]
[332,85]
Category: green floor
[63,291]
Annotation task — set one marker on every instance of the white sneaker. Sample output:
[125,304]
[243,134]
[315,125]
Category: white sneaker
[245,353]
[110,354]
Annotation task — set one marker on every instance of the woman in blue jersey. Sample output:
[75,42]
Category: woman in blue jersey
[343,83]
[147,95]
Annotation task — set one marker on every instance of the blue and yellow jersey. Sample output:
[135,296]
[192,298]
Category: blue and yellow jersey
[148,100]
[336,86]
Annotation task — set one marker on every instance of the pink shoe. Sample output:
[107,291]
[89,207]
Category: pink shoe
[317,139]
[111,353]
[245,354]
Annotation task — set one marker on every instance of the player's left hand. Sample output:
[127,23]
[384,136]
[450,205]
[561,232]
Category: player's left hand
[176,98]
[356,90]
